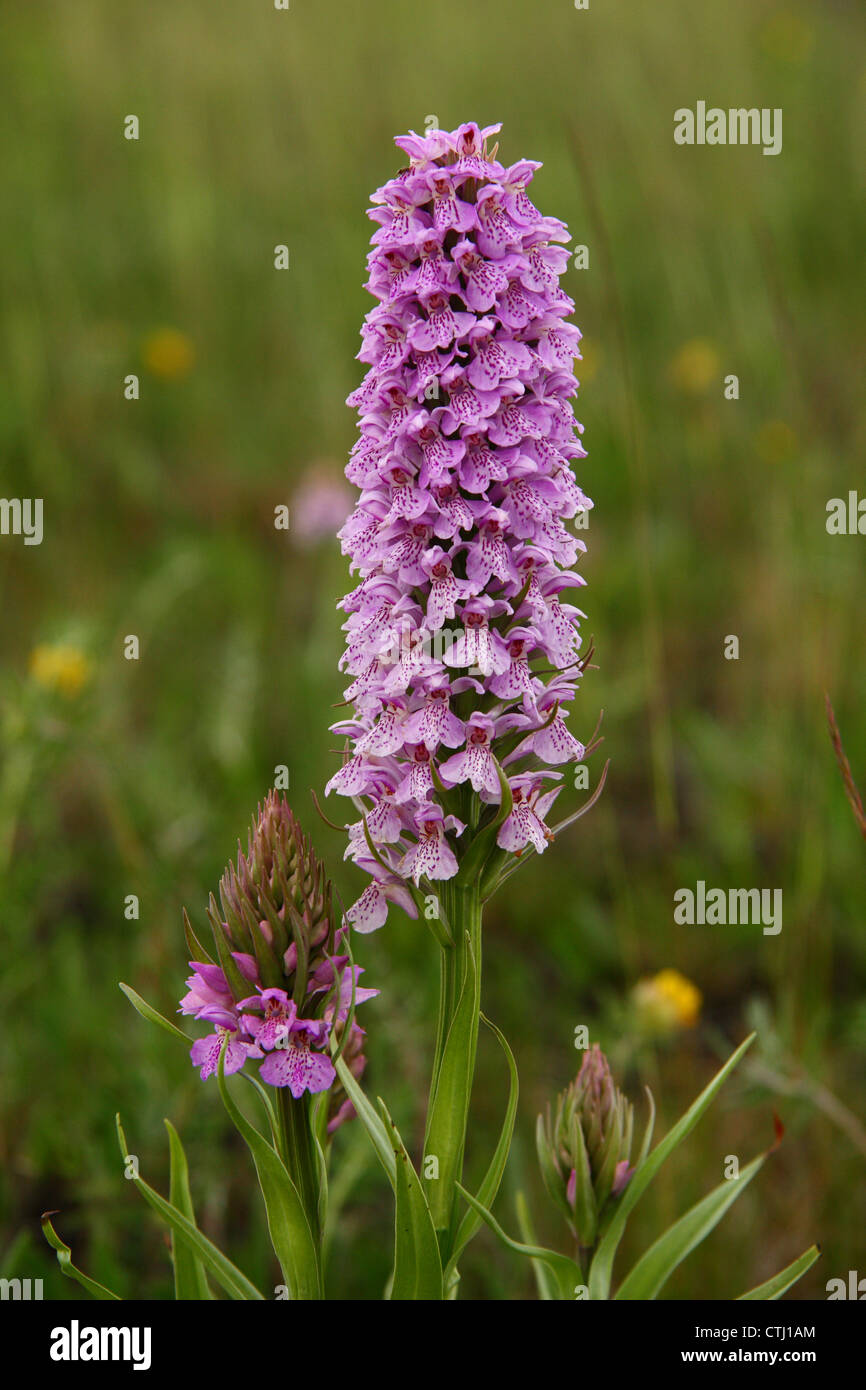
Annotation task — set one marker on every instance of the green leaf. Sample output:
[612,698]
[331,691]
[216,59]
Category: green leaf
[236,982]
[322,1175]
[227,1275]
[585,1206]
[565,1271]
[544,1281]
[273,1123]
[650,1126]
[602,1265]
[190,1281]
[417,1265]
[781,1282]
[64,1259]
[493,1177]
[289,1228]
[554,1182]
[446,1121]
[657,1264]
[368,1117]
[270,971]
[194,946]
[142,1007]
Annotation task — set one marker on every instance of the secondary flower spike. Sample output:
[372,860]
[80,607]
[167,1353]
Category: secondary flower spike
[281,985]
[462,643]
[584,1145]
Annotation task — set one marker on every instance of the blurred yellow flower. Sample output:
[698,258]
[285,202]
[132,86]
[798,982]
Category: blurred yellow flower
[587,368]
[695,367]
[168,353]
[667,1001]
[788,37]
[775,441]
[64,669]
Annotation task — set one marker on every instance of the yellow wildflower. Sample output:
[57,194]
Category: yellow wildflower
[168,353]
[61,668]
[667,1001]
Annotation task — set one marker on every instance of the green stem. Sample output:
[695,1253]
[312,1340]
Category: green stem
[299,1156]
[467,915]
[447,972]
[460,961]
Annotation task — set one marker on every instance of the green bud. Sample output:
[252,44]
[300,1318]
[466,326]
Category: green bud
[584,1144]
[275,904]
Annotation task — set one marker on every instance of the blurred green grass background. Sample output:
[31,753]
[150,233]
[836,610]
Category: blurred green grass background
[260,128]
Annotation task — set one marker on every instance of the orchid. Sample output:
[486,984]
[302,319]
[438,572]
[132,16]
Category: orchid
[462,643]
[464,657]
[463,462]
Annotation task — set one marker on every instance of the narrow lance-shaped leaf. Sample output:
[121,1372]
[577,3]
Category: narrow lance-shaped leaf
[147,1011]
[417,1265]
[545,1283]
[551,1176]
[565,1271]
[289,1228]
[236,982]
[227,1275]
[784,1280]
[194,945]
[367,1115]
[602,1264]
[658,1263]
[496,874]
[190,1281]
[585,1206]
[64,1259]
[493,1177]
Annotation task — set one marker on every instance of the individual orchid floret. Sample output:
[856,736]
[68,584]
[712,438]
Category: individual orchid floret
[293,1044]
[525,824]
[475,764]
[371,910]
[209,988]
[431,856]
[205,1052]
